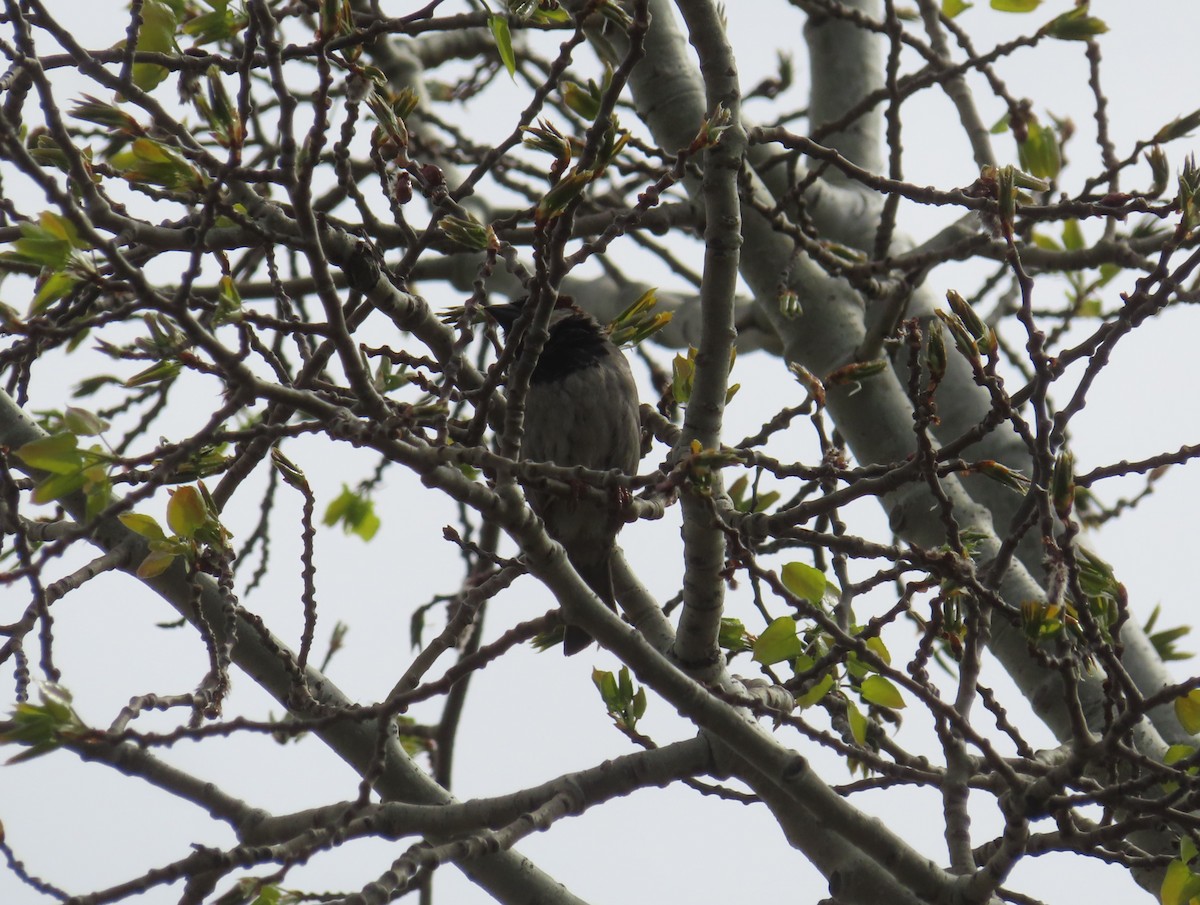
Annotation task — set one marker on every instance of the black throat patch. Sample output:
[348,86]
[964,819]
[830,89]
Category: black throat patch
[575,344]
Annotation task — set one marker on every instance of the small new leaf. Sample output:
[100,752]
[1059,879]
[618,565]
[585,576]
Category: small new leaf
[805,581]
[144,525]
[470,234]
[1164,641]
[778,642]
[566,190]
[355,512]
[503,38]
[83,423]
[757,502]
[1039,152]
[858,723]
[156,562]
[733,636]
[1178,127]
[816,692]
[58,454]
[93,110]
[683,374]
[625,704]
[809,381]
[156,34]
[639,321]
[879,691]
[1075,25]
[42,728]
[1009,477]
[856,372]
[1187,711]
[1063,484]
[163,371]
[186,512]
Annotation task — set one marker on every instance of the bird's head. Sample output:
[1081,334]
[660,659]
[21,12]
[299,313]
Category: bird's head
[576,340]
[508,314]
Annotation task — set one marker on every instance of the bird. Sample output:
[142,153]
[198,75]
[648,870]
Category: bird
[581,410]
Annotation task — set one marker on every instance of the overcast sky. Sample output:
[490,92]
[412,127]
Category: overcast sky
[534,716]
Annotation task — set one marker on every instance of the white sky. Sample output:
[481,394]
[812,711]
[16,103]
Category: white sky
[531,717]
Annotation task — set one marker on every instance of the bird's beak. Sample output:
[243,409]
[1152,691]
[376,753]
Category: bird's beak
[505,315]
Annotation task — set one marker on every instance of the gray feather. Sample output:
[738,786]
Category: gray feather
[584,411]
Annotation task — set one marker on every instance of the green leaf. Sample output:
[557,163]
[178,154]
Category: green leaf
[58,454]
[98,492]
[335,18]
[1176,753]
[759,503]
[153,163]
[271,895]
[951,8]
[814,694]
[93,110]
[469,233]
[1178,127]
[83,423]
[1062,484]
[858,723]
[638,709]
[163,370]
[42,727]
[144,525]
[220,111]
[856,668]
[1072,235]
[1015,6]
[1047,243]
[606,684]
[1187,711]
[355,512]
[220,24]
[778,642]
[878,648]
[1039,153]
[49,243]
[155,563]
[1107,272]
[499,26]
[856,372]
[58,486]
[566,190]
[624,704]
[186,512]
[805,581]
[881,692]
[1002,474]
[583,100]
[683,373]
[1075,25]
[155,35]
[732,635]
[1179,884]
[639,321]
[54,287]
[1164,641]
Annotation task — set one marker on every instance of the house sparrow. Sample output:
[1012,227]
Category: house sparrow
[581,409]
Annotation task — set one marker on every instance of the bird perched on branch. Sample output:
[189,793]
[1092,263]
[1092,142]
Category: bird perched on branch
[581,409]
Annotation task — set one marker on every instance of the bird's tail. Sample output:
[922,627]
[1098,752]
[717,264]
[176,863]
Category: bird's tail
[597,574]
